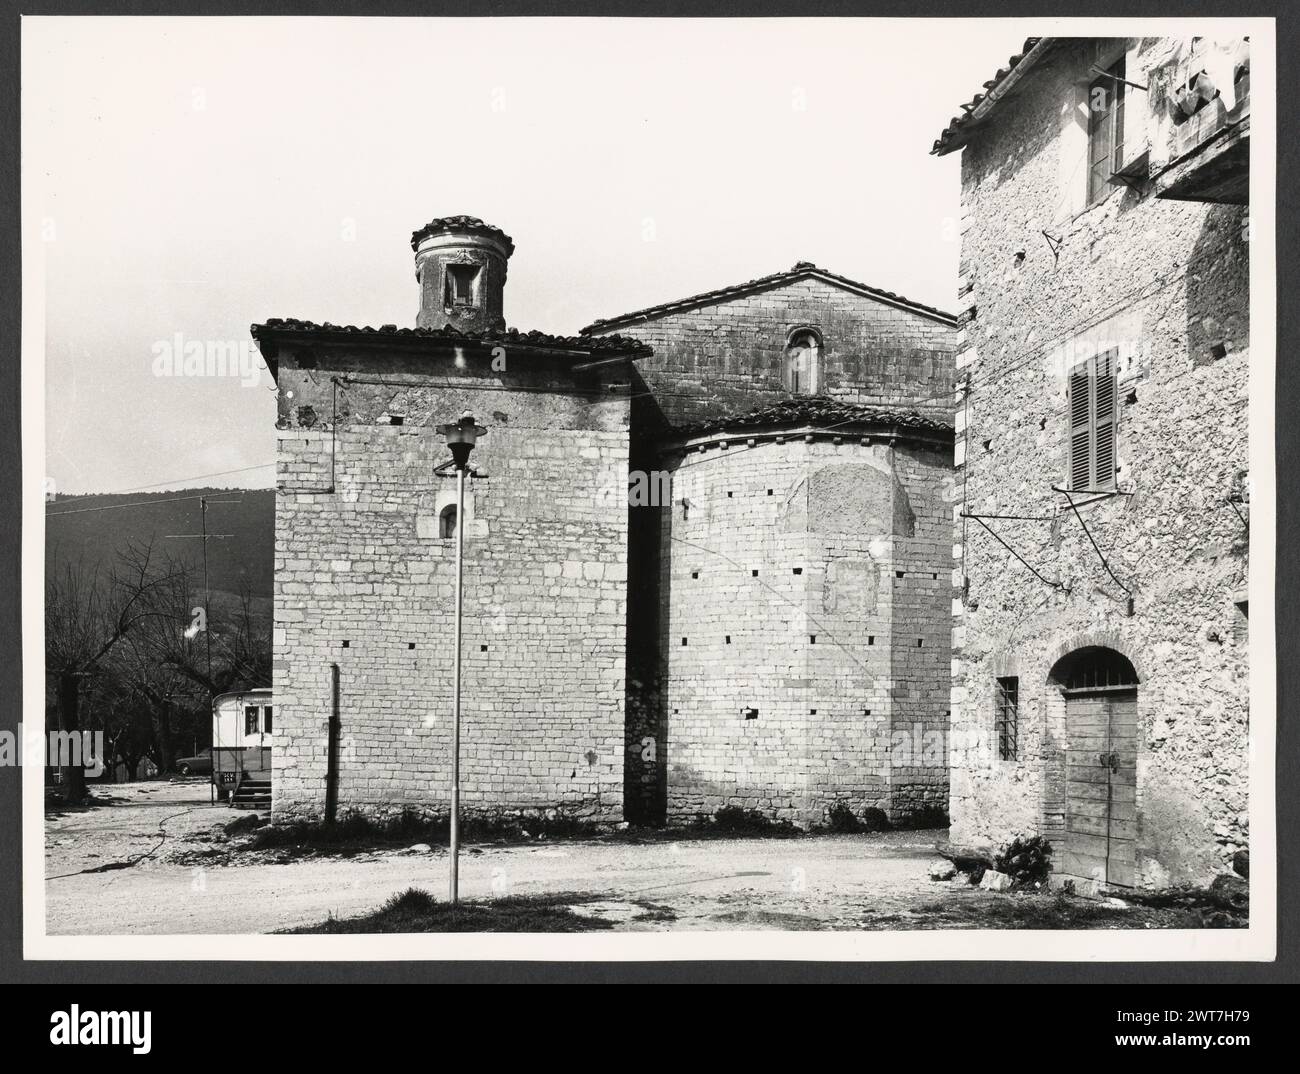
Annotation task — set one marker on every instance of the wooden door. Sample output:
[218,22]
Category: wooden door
[1101,787]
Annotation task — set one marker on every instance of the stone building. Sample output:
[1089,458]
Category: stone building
[1100,683]
[788,610]
[707,564]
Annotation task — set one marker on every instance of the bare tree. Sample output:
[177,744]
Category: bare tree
[87,614]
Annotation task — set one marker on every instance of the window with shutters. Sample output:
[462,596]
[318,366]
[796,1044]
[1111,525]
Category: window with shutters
[1006,727]
[1091,394]
[1105,130]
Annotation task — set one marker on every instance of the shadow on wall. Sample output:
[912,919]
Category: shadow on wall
[1175,842]
[1218,286]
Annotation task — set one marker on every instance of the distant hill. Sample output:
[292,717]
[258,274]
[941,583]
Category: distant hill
[97,527]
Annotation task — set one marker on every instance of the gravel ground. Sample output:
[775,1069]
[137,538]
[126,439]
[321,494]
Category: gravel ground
[184,879]
[153,858]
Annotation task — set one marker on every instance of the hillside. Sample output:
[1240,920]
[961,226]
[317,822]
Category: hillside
[97,527]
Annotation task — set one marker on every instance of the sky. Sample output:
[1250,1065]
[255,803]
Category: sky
[186,177]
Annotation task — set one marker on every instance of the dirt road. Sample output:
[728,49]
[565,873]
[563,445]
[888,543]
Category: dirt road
[814,882]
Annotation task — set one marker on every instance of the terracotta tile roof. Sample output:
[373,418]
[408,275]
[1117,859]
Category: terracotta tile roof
[955,135]
[579,346]
[801,270]
[471,224]
[815,410]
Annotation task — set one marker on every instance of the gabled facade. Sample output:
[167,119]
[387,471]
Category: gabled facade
[788,644]
[1100,639]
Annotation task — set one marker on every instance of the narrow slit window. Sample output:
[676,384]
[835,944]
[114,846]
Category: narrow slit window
[447,521]
[1007,723]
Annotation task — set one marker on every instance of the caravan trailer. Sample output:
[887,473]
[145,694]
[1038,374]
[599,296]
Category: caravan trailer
[242,732]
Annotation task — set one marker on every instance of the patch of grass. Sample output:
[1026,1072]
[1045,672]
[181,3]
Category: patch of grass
[1225,904]
[974,909]
[415,910]
[841,819]
[654,912]
[357,832]
[875,820]
[736,821]
[923,819]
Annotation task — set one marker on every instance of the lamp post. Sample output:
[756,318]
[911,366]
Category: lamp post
[461,436]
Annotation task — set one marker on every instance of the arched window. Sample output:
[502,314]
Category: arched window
[447,521]
[801,371]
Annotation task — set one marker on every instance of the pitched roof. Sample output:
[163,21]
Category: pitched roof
[464,224]
[958,131]
[802,270]
[578,346]
[815,410]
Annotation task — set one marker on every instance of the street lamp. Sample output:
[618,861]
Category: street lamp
[460,436]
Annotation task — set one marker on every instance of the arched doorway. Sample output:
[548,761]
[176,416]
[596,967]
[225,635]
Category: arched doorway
[1100,687]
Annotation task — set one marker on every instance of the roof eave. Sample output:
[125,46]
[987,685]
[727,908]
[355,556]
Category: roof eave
[873,428]
[765,283]
[975,117]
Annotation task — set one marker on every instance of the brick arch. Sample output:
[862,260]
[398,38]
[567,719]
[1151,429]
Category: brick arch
[1102,639]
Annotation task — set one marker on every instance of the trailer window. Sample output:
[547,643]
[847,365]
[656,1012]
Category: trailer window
[266,719]
[250,719]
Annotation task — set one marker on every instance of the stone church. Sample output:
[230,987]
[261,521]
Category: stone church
[708,554]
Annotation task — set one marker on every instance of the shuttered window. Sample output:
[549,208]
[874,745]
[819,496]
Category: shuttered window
[1092,390]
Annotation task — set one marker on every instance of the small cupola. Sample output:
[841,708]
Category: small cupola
[460,263]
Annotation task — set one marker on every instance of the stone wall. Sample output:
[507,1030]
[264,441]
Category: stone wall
[364,581]
[1167,282]
[724,357]
[804,629]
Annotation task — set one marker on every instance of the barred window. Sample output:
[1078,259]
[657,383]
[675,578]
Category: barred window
[1007,723]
